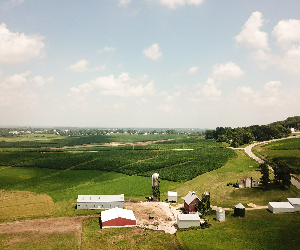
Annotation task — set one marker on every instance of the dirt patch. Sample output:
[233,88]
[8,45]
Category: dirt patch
[40,227]
[114,144]
[165,215]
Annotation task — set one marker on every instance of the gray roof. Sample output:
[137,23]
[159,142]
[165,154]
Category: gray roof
[98,198]
[188,217]
[280,205]
[240,205]
[190,197]
[294,201]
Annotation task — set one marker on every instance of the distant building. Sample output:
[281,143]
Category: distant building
[172,196]
[190,201]
[100,201]
[117,217]
[247,182]
[293,130]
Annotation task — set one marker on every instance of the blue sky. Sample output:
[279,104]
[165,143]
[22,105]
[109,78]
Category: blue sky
[148,63]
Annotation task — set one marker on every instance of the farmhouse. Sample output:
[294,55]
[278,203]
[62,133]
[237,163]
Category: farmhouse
[190,201]
[295,202]
[118,217]
[172,196]
[188,220]
[100,201]
[280,207]
[247,182]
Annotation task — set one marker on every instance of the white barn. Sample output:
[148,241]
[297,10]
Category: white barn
[172,196]
[100,201]
[117,217]
[188,220]
[280,207]
[295,202]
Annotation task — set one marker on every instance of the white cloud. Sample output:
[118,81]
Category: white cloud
[11,4]
[123,2]
[251,36]
[82,66]
[193,70]
[122,86]
[210,89]
[40,81]
[107,49]
[287,32]
[289,62]
[153,52]
[176,3]
[18,90]
[16,47]
[226,71]
[165,107]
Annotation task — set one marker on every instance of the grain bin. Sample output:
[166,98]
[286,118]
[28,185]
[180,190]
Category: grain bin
[220,214]
[155,187]
[239,210]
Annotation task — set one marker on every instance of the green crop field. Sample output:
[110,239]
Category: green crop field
[287,150]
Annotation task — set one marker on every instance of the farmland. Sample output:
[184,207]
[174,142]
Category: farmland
[56,175]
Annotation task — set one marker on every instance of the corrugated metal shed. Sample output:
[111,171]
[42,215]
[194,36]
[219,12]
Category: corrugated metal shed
[188,220]
[118,217]
[100,201]
[172,196]
[280,207]
[295,202]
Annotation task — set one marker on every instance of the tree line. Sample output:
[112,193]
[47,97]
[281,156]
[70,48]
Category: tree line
[246,135]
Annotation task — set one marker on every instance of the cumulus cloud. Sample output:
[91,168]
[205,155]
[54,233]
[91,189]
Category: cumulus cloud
[82,66]
[18,47]
[107,49]
[251,36]
[122,86]
[226,71]
[123,2]
[19,90]
[193,70]
[176,3]
[40,81]
[209,89]
[287,32]
[153,52]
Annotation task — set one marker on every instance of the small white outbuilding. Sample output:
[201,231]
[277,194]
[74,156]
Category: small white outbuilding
[188,220]
[172,196]
[280,207]
[295,202]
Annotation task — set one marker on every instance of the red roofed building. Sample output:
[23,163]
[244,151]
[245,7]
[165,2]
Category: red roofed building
[190,201]
[117,217]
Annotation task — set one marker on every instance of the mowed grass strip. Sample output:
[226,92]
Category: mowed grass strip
[259,229]
[22,204]
[124,238]
[34,240]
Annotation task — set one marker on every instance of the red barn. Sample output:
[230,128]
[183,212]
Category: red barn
[118,217]
[190,201]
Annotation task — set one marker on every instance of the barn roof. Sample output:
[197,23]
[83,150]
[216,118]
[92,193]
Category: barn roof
[117,213]
[190,197]
[98,198]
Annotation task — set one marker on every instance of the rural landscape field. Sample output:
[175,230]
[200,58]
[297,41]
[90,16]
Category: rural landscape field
[42,174]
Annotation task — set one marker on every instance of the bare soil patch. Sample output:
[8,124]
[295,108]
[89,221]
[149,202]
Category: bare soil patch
[165,215]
